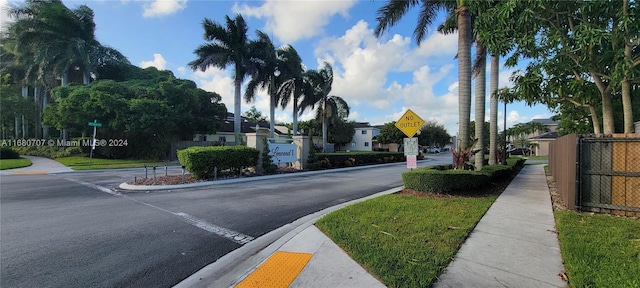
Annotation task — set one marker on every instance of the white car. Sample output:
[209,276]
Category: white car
[433,149]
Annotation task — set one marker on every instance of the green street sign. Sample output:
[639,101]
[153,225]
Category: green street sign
[95,124]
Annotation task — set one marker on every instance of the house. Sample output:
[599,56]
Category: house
[364,136]
[540,140]
[226,136]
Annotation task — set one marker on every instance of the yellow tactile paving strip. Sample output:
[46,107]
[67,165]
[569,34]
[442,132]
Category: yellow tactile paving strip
[278,271]
[35,172]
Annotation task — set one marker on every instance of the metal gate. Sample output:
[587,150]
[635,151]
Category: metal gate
[608,174]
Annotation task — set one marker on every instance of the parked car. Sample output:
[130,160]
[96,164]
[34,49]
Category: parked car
[433,150]
[520,151]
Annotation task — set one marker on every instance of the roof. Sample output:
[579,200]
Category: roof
[546,121]
[362,125]
[548,135]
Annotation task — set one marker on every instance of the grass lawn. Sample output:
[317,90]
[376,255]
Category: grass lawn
[406,241]
[82,163]
[14,163]
[599,250]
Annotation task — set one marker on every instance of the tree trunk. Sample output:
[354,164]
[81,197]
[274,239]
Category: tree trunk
[85,78]
[272,113]
[595,120]
[295,116]
[38,112]
[481,83]
[493,111]
[627,109]
[25,123]
[236,108]
[45,102]
[607,112]
[324,124]
[464,74]
[65,78]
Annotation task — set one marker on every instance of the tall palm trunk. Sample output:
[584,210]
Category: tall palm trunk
[464,73]
[493,111]
[236,105]
[272,108]
[25,123]
[481,83]
[295,116]
[324,124]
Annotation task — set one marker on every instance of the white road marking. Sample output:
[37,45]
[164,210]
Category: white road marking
[231,235]
[220,231]
[94,186]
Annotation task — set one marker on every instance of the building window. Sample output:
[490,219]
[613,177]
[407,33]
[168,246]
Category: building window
[364,132]
[366,144]
[223,139]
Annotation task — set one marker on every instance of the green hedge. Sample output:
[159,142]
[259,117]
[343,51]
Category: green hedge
[200,161]
[443,179]
[8,153]
[347,159]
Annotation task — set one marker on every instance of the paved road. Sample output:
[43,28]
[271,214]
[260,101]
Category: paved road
[76,230]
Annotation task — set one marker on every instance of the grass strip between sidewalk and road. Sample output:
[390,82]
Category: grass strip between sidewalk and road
[404,240]
[14,163]
[599,250]
[82,163]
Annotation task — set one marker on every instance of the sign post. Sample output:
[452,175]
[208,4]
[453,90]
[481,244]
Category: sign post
[410,123]
[95,125]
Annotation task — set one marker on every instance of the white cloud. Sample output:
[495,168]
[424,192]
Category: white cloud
[158,62]
[182,70]
[439,44]
[366,69]
[157,8]
[218,81]
[294,20]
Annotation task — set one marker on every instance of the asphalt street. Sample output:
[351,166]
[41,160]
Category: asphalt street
[77,230]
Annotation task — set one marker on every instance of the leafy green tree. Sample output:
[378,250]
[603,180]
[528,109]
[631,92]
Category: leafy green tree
[254,115]
[389,133]
[585,37]
[49,40]
[433,134]
[150,112]
[228,45]
[342,131]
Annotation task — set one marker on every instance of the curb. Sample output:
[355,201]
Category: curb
[125,186]
[231,268]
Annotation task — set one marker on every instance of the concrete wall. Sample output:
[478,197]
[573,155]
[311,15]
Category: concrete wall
[360,139]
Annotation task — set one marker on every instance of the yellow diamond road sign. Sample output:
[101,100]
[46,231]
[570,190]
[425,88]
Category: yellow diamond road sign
[409,123]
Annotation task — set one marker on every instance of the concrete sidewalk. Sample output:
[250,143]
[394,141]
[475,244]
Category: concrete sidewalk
[513,245]
[39,165]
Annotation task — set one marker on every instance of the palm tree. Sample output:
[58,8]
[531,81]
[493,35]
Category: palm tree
[392,12]
[51,40]
[321,81]
[228,45]
[265,74]
[295,83]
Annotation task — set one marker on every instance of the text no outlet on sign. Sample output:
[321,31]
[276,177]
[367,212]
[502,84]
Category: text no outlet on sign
[409,123]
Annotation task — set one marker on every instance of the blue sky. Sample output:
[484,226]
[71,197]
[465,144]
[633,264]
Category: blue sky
[379,77]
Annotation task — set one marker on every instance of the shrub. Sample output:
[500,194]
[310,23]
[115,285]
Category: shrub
[497,171]
[200,161]
[74,151]
[8,153]
[443,181]
[267,164]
